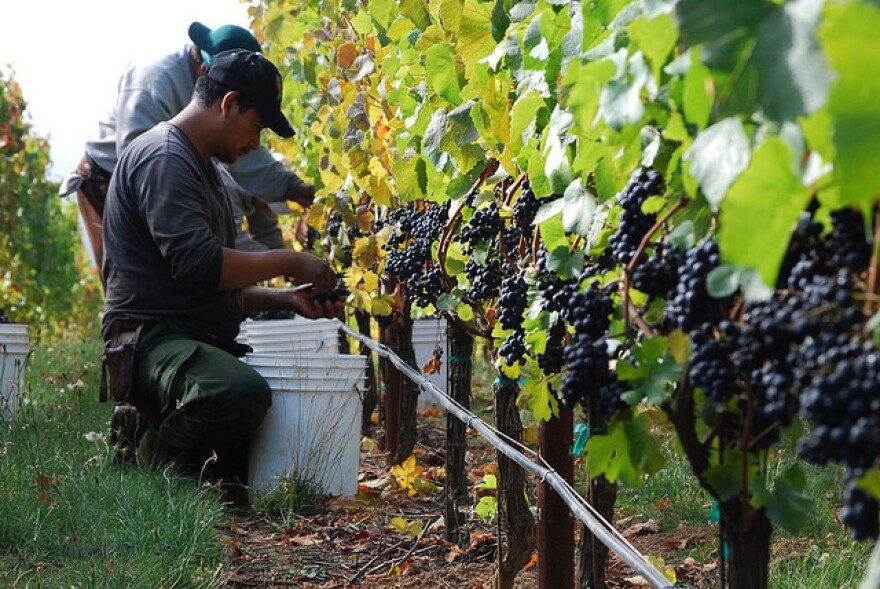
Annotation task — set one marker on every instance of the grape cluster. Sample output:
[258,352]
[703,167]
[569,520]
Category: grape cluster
[513,348]
[485,279]
[527,205]
[340,293]
[860,511]
[513,301]
[552,361]
[634,224]
[409,250]
[3,318]
[691,306]
[658,276]
[589,313]
[485,224]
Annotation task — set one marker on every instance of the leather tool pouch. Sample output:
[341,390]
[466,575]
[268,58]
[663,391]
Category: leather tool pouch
[117,365]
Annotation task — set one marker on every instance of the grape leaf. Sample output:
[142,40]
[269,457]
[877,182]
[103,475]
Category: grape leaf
[717,156]
[848,35]
[626,453]
[579,207]
[764,203]
[442,76]
[786,504]
[753,44]
[417,12]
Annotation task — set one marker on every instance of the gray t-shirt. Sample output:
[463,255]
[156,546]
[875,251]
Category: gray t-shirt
[166,220]
[156,90]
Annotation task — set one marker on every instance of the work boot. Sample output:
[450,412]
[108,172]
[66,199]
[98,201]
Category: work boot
[125,430]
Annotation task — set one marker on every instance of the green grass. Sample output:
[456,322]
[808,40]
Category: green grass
[71,517]
[821,556]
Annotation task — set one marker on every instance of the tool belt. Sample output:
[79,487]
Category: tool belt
[117,363]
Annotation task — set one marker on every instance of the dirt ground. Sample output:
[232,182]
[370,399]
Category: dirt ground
[385,538]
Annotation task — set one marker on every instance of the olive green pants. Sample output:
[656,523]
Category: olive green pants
[202,400]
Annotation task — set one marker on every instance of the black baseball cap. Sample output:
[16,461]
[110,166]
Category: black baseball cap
[257,79]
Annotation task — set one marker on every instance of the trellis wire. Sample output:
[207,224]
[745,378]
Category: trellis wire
[583,511]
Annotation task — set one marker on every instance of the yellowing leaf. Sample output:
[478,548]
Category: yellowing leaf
[346,54]
[408,475]
[380,306]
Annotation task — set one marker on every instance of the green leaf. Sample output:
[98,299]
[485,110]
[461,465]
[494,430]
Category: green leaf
[553,234]
[475,40]
[849,37]
[766,50]
[764,203]
[522,118]
[656,38]
[549,210]
[717,156]
[786,504]
[382,11]
[447,302]
[434,134]
[620,103]
[557,169]
[722,281]
[417,12]
[696,101]
[726,478]
[566,264]
[461,126]
[580,206]
[541,401]
[362,23]
[626,453]
[442,76]
[499,22]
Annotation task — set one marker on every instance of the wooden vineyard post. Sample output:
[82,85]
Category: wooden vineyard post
[393,381]
[516,538]
[460,346]
[409,390]
[555,521]
[371,395]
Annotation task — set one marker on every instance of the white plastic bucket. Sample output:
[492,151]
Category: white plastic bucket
[292,335]
[429,333]
[312,431]
[14,350]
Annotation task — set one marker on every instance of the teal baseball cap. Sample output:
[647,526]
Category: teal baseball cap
[225,38]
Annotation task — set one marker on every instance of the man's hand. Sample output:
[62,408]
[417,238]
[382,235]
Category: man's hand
[309,308]
[314,270]
[303,194]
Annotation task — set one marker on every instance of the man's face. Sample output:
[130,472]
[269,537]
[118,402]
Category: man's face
[241,131]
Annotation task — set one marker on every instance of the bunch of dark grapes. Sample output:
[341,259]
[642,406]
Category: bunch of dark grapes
[485,279]
[555,291]
[658,276]
[611,396]
[424,288]
[340,293]
[527,205]
[485,224]
[711,368]
[552,361]
[860,511]
[272,315]
[589,313]
[511,306]
[334,224]
[691,306]
[513,300]
[3,318]
[513,348]
[850,247]
[634,224]
[409,250]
